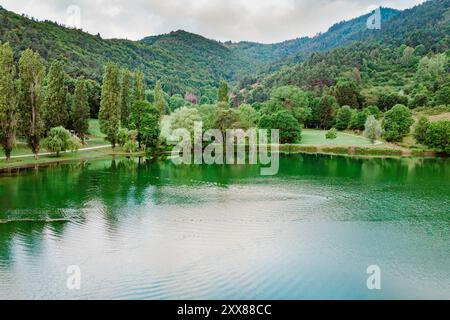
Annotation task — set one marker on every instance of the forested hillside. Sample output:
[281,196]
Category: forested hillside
[386,61]
[340,34]
[189,63]
[182,61]
[426,24]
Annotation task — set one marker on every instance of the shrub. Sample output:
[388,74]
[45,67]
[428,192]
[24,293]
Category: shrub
[377,151]
[397,123]
[332,134]
[437,136]
[127,139]
[336,150]
[130,146]
[123,136]
[299,148]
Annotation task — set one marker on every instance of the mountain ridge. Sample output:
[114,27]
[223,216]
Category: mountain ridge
[187,62]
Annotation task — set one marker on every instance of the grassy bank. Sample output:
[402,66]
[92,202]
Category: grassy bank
[313,142]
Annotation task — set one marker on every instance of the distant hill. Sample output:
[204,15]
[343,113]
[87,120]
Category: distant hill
[186,62]
[340,34]
[183,61]
[427,24]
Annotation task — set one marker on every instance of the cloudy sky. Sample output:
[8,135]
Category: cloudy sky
[253,20]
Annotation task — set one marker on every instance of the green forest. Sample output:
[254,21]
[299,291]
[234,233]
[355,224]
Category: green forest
[390,86]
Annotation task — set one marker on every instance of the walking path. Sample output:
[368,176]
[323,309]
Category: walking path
[49,153]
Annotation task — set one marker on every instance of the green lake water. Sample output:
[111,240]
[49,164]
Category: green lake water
[160,231]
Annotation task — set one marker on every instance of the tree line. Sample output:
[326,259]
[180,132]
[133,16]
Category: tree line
[38,106]
[30,109]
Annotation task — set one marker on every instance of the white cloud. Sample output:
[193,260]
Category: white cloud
[253,20]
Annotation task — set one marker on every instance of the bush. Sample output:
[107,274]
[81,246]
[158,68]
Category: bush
[127,139]
[377,151]
[123,136]
[437,136]
[421,130]
[130,146]
[59,140]
[332,134]
[397,123]
[298,148]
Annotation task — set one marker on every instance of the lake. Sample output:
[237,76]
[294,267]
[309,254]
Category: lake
[140,230]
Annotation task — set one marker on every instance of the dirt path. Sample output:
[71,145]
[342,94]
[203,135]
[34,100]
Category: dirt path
[49,153]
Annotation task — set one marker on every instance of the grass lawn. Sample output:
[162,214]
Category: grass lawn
[69,156]
[317,138]
[96,138]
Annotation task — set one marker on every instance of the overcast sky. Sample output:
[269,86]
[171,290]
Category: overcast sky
[253,20]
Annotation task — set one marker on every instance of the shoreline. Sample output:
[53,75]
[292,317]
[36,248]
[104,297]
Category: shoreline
[349,151]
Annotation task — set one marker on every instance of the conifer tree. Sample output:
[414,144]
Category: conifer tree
[80,110]
[55,105]
[8,100]
[31,77]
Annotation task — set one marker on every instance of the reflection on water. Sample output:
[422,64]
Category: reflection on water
[157,231]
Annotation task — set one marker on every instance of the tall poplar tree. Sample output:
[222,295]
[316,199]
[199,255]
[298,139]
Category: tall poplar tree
[31,77]
[55,105]
[109,114]
[223,92]
[126,98]
[8,100]
[80,109]
[159,102]
[139,86]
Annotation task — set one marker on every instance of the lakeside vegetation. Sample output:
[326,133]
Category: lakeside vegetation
[395,95]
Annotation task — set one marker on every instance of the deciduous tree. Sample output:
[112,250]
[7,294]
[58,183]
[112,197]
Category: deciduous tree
[80,110]
[397,123]
[31,77]
[159,102]
[373,129]
[109,115]
[8,100]
[55,110]
[223,92]
[125,98]
[343,117]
